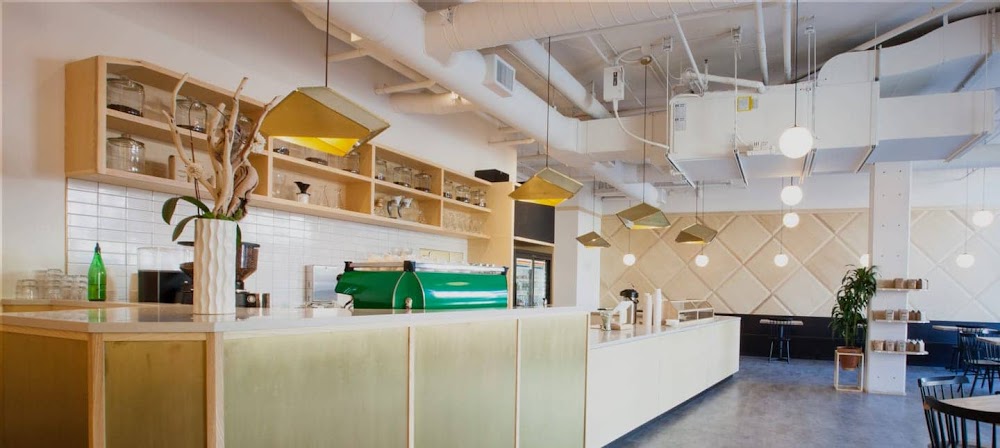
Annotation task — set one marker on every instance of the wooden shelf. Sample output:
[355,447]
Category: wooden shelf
[521,239]
[383,186]
[883,321]
[464,206]
[471,181]
[901,353]
[152,129]
[296,164]
[900,289]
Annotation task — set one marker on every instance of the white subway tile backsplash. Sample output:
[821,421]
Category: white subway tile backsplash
[128,219]
[111,189]
[111,212]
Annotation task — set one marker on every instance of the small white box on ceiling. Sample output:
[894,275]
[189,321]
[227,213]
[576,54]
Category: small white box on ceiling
[614,83]
[499,76]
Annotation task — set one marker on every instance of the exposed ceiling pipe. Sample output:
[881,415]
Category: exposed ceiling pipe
[704,79]
[933,14]
[690,55]
[435,104]
[704,14]
[474,26]
[761,41]
[786,40]
[535,56]
[405,87]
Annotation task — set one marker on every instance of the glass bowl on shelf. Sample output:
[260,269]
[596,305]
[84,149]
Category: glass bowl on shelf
[126,154]
[422,182]
[125,95]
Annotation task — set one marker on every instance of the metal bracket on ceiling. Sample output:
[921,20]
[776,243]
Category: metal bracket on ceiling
[864,161]
[739,164]
[808,163]
[968,145]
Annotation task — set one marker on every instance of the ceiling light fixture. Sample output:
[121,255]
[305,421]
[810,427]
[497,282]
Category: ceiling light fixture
[983,217]
[321,119]
[781,260]
[865,260]
[965,260]
[701,260]
[644,216]
[796,141]
[791,195]
[790,220]
[593,238]
[548,186]
[697,233]
[629,258]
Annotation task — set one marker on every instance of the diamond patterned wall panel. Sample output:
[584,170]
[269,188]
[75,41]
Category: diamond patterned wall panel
[742,278]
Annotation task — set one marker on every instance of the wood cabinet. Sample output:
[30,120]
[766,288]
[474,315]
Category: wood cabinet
[89,123]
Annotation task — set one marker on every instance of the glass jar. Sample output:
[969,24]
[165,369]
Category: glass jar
[352,162]
[126,154]
[479,197]
[462,193]
[380,208]
[381,169]
[27,289]
[423,182]
[191,114]
[449,189]
[403,176]
[126,95]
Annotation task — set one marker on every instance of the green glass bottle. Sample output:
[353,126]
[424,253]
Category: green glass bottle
[97,278]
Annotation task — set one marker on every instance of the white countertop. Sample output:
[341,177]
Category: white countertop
[602,339]
[169,318]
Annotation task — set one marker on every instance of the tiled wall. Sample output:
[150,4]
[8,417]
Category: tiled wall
[742,278]
[125,219]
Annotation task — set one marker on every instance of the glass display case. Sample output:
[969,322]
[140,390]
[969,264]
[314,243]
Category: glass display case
[682,312]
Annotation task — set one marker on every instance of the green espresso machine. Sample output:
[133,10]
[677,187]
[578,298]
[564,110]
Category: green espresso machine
[420,285]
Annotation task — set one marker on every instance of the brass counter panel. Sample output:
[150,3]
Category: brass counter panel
[553,381]
[44,391]
[155,394]
[336,389]
[464,385]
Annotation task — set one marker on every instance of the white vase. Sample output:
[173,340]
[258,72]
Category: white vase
[214,266]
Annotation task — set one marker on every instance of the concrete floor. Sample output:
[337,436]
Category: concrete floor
[789,405]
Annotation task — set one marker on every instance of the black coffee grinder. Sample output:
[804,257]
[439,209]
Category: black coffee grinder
[246,265]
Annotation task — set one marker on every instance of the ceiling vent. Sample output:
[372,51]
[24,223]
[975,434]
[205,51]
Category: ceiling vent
[499,76]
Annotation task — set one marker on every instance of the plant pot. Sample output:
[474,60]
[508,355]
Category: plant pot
[849,362]
[214,266]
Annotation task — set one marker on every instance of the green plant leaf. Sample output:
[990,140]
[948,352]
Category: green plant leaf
[180,226]
[201,205]
[239,237]
[168,209]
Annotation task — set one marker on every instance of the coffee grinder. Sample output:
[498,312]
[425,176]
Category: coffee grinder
[246,265]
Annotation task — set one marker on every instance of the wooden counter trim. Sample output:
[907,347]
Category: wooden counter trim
[61,334]
[517,384]
[410,385]
[95,394]
[214,388]
[155,336]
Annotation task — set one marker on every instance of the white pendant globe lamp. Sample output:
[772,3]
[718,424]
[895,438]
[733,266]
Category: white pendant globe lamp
[629,258]
[865,259]
[791,195]
[982,217]
[790,220]
[965,260]
[701,260]
[781,260]
[796,141]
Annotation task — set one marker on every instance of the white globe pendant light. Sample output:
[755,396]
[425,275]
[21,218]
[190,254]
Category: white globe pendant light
[865,259]
[982,218]
[795,142]
[965,260]
[781,260]
[790,220]
[701,260]
[628,259]
[791,195]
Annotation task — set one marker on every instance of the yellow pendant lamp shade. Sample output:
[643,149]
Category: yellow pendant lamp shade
[696,234]
[546,187]
[321,119]
[593,239]
[643,217]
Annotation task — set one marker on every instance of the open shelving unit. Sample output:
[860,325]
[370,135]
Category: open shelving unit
[901,353]
[90,123]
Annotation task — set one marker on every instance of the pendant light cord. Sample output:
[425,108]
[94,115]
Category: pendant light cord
[326,51]
[645,118]
[548,100]
[968,174]
[795,45]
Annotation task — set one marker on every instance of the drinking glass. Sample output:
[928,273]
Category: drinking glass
[381,169]
[54,289]
[27,289]
[280,186]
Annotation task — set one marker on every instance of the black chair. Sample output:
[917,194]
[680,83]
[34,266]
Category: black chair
[944,387]
[952,426]
[777,334]
[980,358]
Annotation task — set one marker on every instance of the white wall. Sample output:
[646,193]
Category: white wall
[217,42]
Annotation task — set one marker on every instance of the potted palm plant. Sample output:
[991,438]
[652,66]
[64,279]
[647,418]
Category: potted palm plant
[849,314]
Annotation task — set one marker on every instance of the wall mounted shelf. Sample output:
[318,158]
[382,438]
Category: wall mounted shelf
[901,353]
[89,124]
[883,321]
